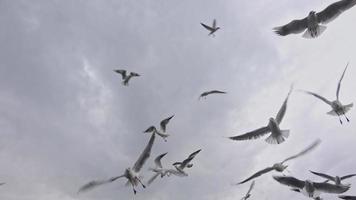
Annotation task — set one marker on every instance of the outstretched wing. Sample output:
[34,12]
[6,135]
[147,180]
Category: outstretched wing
[186,162]
[251,187]
[290,181]
[134,74]
[217,92]
[347,197]
[207,27]
[93,184]
[347,176]
[324,176]
[144,155]
[295,27]
[253,134]
[331,188]
[150,129]
[158,160]
[283,109]
[339,84]
[259,173]
[305,151]
[122,72]
[164,123]
[334,10]
[317,96]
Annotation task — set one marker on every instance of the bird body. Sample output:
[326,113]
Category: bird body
[212,29]
[126,78]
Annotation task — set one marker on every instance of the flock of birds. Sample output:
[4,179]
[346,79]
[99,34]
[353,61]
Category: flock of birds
[312,27]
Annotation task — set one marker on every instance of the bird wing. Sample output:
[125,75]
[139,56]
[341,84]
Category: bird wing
[164,123]
[253,134]
[290,181]
[334,10]
[347,176]
[305,151]
[214,23]
[144,155]
[339,84]
[251,187]
[189,159]
[217,92]
[122,72]
[318,96]
[347,197]
[150,129]
[295,26]
[207,27]
[158,160]
[152,178]
[324,175]
[259,173]
[283,109]
[331,188]
[93,184]
[134,74]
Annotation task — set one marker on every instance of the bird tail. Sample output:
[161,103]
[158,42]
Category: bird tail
[319,30]
[272,139]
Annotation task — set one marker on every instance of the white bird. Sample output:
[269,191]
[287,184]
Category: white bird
[212,28]
[280,167]
[126,78]
[132,174]
[248,194]
[158,169]
[180,166]
[163,126]
[277,135]
[205,94]
[347,197]
[338,108]
[309,188]
[314,20]
[336,179]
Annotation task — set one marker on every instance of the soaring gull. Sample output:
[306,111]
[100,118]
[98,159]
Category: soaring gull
[205,94]
[163,126]
[212,29]
[180,166]
[280,167]
[309,188]
[131,174]
[314,20]
[277,135]
[126,78]
[337,107]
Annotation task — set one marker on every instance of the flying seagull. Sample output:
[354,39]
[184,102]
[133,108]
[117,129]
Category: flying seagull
[212,29]
[347,197]
[314,20]
[280,167]
[336,179]
[338,108]
[163,126]
[205,94]
[158,170]
[126,78]
[180,166]
[131,174]
[248,194]
[309,188]
[277,135]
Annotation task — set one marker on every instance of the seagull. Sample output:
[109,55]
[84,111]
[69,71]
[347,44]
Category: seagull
[126,78]
[335,179]
[280,167]
[131,174]
[338,108]
[212,29]
[277,136]
[313,20]
[180,166]
[163,126]
[158,170]
[248,194]
[347,197]
[309,188]
[204,94]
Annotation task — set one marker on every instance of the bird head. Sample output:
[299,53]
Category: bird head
[312,13]
[309,187]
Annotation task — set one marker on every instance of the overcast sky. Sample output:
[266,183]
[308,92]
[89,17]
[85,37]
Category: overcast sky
[65,118]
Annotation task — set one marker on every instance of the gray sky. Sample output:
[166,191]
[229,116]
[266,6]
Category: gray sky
[66,119]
